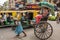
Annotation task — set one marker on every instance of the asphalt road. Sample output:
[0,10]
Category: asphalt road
[8,34]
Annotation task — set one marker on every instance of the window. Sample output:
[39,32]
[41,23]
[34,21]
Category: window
[29,1]
[24,1]
[37,0]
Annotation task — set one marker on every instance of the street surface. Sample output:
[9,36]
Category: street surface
[8,34]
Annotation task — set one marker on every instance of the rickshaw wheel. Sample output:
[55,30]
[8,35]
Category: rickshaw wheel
[43,32]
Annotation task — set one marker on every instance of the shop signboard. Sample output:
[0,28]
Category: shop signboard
[33,6]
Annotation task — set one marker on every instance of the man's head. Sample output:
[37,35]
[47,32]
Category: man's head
[4,13]
[38,12]
[45,11]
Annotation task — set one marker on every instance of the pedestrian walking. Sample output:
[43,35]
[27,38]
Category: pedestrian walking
[19,28]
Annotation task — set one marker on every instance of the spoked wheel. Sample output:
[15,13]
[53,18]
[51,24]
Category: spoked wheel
[43,30]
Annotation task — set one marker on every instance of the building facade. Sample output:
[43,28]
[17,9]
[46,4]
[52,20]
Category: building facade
[20,3]
[11,4]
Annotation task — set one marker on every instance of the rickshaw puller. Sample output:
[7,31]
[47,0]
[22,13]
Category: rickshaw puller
[43,16]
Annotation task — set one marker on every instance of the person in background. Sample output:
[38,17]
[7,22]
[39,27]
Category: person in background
[5,17]
[2,20]
[58,17]
[55,6]
[19,28]
[58,3]
[18,16]
[9,18]
[23,17]
[17,5]
[12,18]
[28,15]
[12,22]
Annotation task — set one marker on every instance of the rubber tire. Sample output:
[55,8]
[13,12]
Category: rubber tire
[49,35]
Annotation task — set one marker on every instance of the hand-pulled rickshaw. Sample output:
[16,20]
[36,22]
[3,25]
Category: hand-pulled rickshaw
[43,30]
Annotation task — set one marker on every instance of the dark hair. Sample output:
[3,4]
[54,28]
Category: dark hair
[54,1]
[21,14]
[46,8]
[4,13]
[38,12]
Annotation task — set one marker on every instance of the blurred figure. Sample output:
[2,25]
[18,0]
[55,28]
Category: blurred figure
[17,5]
[55,6]
[5,17]
[58,18]
[18,16]
[12,18]
[0,15]
[12,22]
[58,3]
[29,16]
[22,17]
[19,28]
[1,20]
[9,18]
